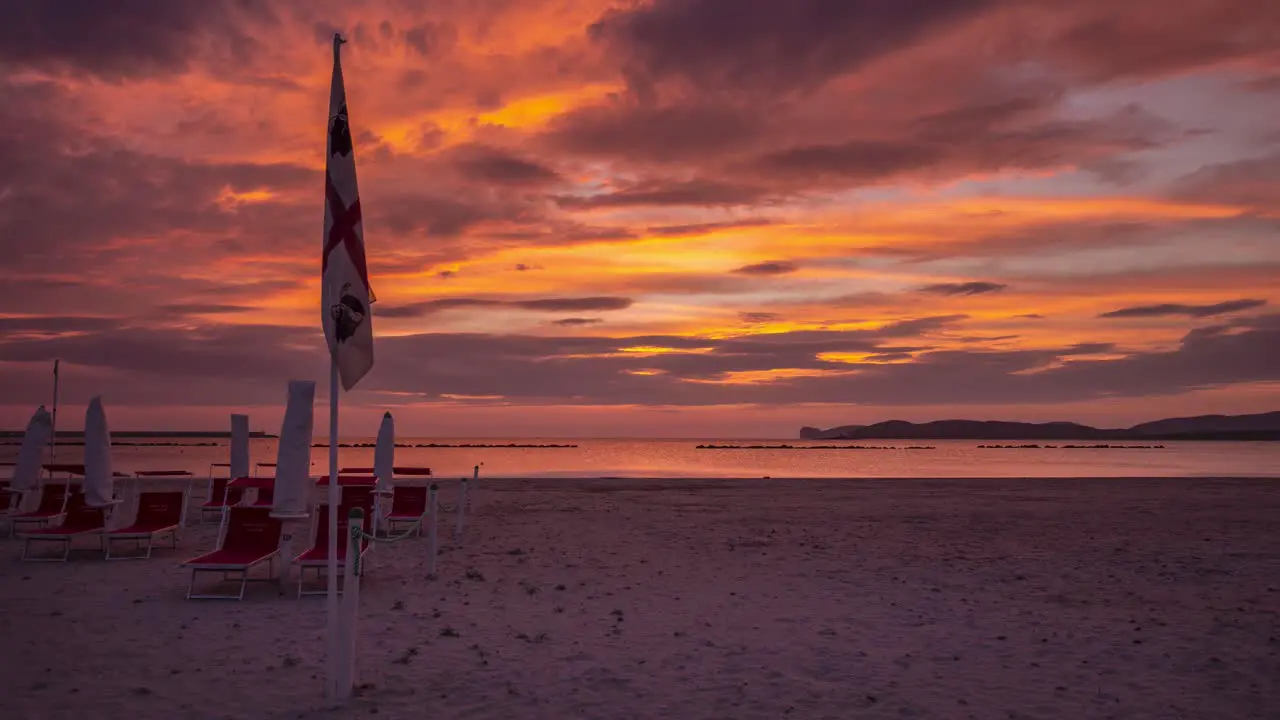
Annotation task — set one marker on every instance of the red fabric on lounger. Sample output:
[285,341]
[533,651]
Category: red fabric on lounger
[408,503]
[234,496]
[319,551]
[80,518]
[157,511]
[50,503]
[252,536]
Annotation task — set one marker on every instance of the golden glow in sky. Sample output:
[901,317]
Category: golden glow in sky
[575,204]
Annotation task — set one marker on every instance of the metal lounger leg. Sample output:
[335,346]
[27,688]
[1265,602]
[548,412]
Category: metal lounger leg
[28,557]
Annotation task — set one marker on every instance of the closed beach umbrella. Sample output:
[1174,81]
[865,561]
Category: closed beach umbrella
[384,461]
[99,485]
[26,472]
[384,453]
[239,446]
[293,456]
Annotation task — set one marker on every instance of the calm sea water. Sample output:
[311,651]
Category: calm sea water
[682,459]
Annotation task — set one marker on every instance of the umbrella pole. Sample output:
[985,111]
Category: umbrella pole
[335,692]
[53,435]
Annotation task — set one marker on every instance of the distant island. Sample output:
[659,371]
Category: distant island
[1263,426]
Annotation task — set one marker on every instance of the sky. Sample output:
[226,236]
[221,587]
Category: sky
[658,218]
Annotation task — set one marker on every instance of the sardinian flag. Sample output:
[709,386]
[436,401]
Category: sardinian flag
[345,293]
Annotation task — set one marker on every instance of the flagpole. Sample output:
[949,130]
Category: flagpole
[334,692]
[53,435]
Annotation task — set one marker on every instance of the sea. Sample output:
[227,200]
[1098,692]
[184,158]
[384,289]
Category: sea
[730,458]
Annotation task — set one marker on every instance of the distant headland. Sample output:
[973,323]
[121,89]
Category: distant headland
[1263,426]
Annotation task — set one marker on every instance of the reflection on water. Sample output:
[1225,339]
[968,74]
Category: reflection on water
[681,458]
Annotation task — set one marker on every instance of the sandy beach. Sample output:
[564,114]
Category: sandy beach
[1134,598]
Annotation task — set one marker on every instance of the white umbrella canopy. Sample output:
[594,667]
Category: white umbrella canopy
[239,446]
[384,453]
[293,455]
[99,485]
[26,472]
[384,461]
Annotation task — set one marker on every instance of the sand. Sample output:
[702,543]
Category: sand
[1128,598]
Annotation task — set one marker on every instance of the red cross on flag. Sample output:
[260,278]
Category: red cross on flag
[345,293]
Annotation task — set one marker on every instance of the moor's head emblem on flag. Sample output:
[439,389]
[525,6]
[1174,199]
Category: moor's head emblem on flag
[347,314]
[340,133]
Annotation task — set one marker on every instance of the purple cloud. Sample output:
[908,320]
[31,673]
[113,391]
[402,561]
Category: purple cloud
[964,288]
[1194,311]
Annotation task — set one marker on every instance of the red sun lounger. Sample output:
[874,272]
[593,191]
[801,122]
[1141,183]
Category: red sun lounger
[8,499]
[80,521]
[220,498]
[358,496]
[158,513]
[408,505]
[317,557]
[266,497]
[265,487]
[252,538]
[53,499]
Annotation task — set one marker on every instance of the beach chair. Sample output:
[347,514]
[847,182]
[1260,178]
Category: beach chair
[317,558]
[220,498]
[213,469]
[252,538]
[408,505]
[358,495]
[158,513]
[53,500]
[80,520]
[169,476]
[266,497]
[345,481]
[8,498]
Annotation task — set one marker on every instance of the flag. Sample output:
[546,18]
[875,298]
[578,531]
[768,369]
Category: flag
[345,293]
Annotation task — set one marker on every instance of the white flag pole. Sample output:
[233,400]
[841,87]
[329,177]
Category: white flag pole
[345,296]
[335,692]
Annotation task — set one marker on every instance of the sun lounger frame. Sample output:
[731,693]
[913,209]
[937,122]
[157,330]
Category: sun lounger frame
[229,569]
[67,536]
[109,537]
[37,517]
[219,505]
[321,566]
[241,569]
[150,534]
[392,518]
